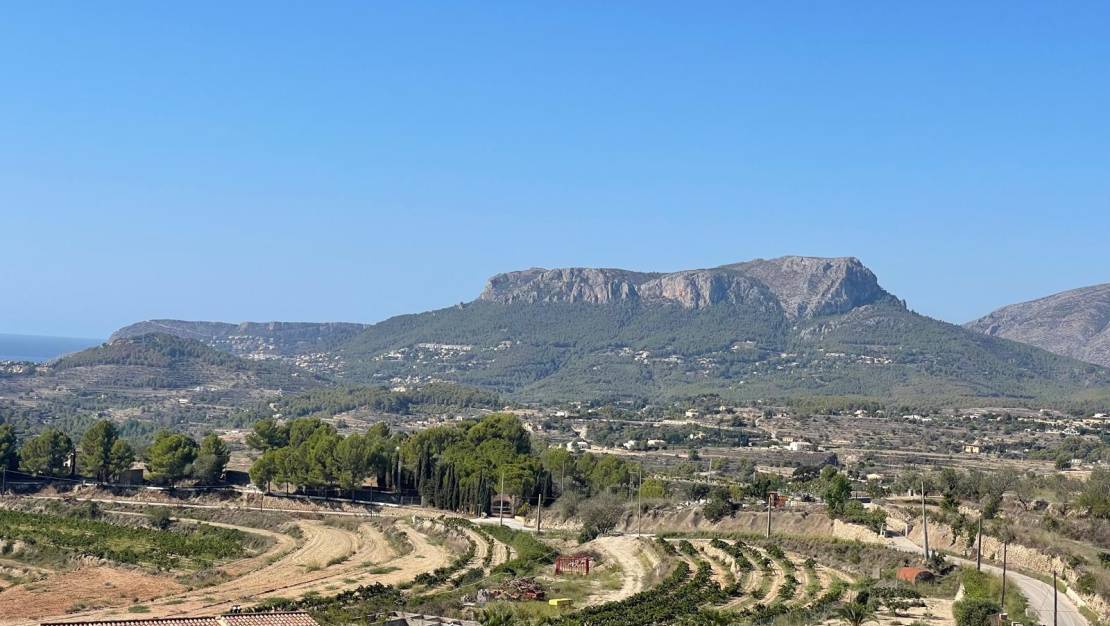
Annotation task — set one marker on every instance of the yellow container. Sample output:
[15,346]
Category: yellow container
[560,602]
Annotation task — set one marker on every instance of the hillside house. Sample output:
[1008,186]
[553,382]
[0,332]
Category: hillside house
[578,446]
[502,506]
[132,475]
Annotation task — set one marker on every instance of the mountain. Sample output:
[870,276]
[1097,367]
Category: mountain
[786,328]
[166,361]
[156,378]
[766,329]
[309,345]
[1073,323]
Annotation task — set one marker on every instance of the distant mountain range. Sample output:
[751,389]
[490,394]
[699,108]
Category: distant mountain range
[1073,323]
[776,329]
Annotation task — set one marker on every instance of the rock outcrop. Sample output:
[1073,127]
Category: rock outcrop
[802,287]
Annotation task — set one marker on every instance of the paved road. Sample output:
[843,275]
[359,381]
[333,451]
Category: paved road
[1038,593]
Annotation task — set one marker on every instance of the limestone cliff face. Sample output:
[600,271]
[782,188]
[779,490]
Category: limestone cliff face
[814,286]
[696,289]
[575,284]
[1073,323]
[801,287]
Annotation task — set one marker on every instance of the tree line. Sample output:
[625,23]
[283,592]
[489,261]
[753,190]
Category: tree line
[102,454]
[309,454]
[458,466]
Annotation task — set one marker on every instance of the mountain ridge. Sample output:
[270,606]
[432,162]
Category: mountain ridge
[801,286]
[1073,323]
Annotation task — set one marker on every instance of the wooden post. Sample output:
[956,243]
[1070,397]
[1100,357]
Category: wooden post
[1004,546]
[979,547]
[1054,598]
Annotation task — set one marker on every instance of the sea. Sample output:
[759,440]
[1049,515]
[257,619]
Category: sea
[39,348]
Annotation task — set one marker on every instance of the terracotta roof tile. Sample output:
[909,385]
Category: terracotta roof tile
[273,618]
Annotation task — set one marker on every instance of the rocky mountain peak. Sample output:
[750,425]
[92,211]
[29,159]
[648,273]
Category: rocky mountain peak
[813,286]
[800,286]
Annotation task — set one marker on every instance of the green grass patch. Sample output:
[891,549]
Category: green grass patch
[531,553]
[192,546]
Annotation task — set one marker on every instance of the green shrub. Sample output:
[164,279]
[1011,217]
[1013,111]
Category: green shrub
[1085,583]
[160,518]
[717,509]
[974,612]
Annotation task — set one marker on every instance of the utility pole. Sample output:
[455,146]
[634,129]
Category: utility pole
[539,509]
[1004,546]
[1054,598]
[770,499]
[563,477]
[501,501]
[397,485]
[979,547]
[709,474]
[4,482]
[639,500]
[925,521]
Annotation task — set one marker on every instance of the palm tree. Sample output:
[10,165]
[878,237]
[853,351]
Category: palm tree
[855,614]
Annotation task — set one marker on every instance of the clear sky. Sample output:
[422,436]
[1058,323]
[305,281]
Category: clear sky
[353,161]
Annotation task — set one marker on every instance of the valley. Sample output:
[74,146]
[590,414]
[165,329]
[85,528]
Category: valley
[749,444]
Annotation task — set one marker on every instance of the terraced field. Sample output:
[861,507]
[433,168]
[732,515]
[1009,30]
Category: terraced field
[331,561]
[731,578]
[325,559]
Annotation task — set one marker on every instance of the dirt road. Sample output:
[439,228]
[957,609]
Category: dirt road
[635,561]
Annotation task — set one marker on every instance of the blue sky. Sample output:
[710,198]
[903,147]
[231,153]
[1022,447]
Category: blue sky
[353,161]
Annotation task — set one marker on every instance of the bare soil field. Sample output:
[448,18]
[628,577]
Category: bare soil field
[327,558]
[635,559]
[63,594]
